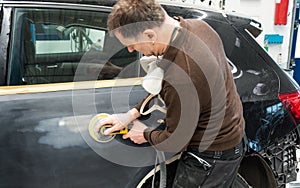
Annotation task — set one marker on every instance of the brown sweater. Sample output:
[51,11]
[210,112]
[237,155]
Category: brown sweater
[203,106]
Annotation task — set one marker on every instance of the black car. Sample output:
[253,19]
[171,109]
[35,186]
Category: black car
[59,68]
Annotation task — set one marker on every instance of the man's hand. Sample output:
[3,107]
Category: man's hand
[118,121]
[136,134]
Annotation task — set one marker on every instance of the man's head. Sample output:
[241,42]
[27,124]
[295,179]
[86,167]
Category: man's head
[134,22]
[147,13]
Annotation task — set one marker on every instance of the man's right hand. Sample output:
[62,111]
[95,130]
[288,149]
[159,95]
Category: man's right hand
[118,121]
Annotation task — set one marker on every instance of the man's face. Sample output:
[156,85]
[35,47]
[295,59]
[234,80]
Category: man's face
[139,43]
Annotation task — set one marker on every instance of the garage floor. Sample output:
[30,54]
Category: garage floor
[296,184]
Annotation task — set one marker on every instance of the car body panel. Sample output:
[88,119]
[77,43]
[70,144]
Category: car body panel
[44,144]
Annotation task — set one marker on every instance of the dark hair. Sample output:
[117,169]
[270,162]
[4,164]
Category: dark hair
[144,14]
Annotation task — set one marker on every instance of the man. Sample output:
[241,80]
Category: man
[204,115]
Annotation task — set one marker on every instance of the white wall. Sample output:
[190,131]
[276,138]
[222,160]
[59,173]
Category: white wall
[232,5]
[264,11]
[216,4]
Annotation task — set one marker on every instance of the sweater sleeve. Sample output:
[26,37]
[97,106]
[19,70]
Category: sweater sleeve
[172,102]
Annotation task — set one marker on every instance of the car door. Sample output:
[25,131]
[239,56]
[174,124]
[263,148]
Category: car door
[62,68]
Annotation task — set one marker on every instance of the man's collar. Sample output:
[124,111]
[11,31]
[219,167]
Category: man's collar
[177,39]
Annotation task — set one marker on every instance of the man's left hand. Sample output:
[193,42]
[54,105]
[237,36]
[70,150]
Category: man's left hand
[136,134]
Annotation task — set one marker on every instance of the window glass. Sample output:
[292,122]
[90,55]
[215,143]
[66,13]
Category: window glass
[53,45]
[1,17]
[53,38]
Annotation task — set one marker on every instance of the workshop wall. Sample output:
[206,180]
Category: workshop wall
[264,12]
[216,4]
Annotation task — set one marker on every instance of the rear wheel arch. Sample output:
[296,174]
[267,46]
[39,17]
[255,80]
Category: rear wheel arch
[256,171]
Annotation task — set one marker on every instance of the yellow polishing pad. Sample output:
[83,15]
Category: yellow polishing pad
[99,136]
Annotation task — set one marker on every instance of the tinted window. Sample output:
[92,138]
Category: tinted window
[1,17]
[53,45]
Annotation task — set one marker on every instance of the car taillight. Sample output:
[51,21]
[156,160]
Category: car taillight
[291,102]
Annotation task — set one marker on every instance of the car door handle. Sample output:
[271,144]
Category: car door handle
[51,66]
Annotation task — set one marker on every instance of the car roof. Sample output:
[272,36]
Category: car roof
[181,10]
[100,2]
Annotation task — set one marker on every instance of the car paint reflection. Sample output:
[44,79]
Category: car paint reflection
[237,73]
[260,89]
[61,133]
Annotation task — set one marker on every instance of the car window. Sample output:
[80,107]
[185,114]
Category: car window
[1,17]
[55,45]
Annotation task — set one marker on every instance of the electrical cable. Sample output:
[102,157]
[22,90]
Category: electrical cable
[160,156]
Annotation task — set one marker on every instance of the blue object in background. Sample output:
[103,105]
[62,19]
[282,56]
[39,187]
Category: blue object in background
[32,30]
[273,39]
